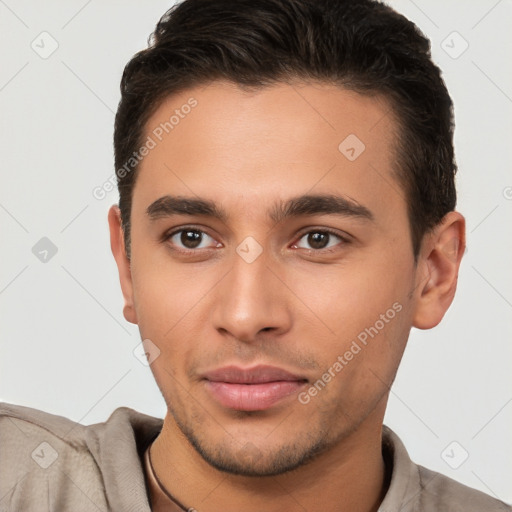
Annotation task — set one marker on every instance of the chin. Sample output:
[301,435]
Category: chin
[258,461]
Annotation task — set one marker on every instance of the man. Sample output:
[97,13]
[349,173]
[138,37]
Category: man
[286,215]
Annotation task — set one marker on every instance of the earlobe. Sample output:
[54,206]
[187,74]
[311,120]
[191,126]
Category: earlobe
[438,269]
[123,263]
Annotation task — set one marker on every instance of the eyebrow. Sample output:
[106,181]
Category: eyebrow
[311,204]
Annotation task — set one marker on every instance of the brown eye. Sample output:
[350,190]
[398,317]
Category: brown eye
[189,239]
[318,240]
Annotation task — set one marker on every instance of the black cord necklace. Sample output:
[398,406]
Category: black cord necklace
[163,489]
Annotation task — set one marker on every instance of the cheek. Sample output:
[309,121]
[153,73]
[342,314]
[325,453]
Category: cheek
[349,299]
[359,364]
[364,313]
[170,301]
[155,302]
[164,291]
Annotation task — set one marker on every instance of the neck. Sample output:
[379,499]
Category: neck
[350,476]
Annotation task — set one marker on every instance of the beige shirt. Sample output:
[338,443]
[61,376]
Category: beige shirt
[50,463]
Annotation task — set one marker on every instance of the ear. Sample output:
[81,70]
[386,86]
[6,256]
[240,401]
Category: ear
[438,270]
[123,263]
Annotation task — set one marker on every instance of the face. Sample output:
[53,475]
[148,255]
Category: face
[271,268]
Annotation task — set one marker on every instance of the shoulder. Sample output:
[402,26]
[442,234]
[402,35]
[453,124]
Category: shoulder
[42,451]
[414,488]
[440,492]
[51,461]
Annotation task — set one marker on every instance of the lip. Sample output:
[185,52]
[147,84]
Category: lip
[251,389]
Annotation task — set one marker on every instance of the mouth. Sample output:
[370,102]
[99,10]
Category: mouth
[251,389]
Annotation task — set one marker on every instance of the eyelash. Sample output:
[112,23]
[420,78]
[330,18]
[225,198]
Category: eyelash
[344,240]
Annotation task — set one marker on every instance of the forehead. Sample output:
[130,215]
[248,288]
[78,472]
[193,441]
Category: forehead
[220,141]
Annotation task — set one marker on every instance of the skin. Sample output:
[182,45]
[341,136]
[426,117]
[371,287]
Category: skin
[297,306]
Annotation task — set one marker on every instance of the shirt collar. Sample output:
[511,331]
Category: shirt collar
[404,487]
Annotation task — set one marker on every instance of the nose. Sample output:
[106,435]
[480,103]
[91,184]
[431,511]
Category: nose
[252,298]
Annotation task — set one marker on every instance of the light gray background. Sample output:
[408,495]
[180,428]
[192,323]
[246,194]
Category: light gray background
[66,348]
